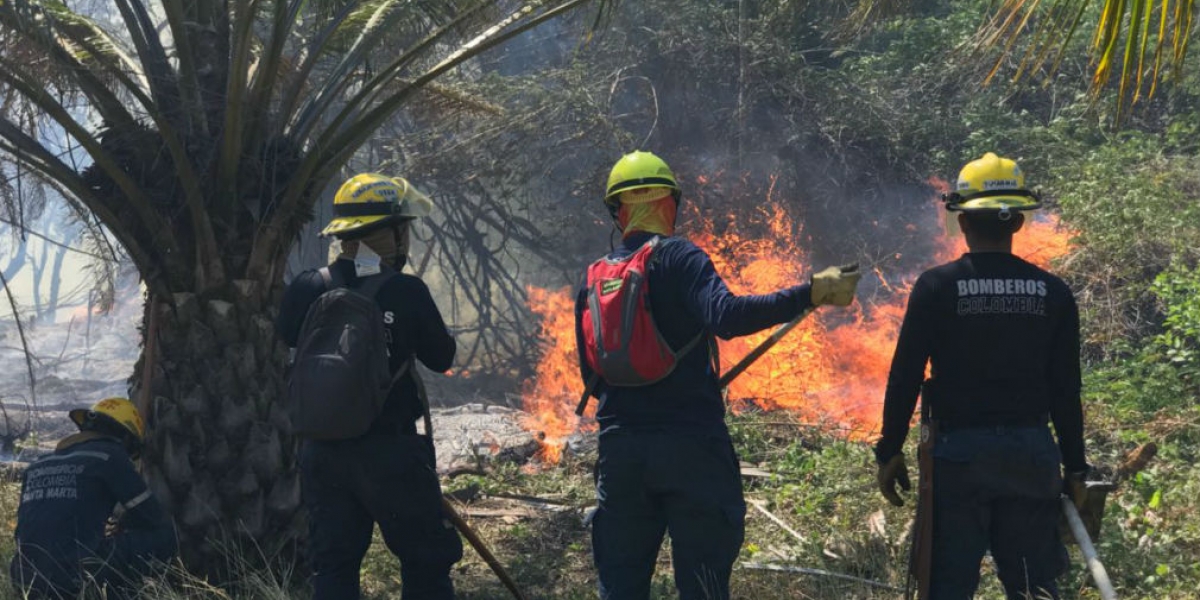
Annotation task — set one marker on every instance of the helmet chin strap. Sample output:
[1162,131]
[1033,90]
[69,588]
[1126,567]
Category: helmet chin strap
[402,234]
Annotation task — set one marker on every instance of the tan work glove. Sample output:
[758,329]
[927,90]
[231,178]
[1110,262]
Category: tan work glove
[891,473]
[1075,487]
[835,285]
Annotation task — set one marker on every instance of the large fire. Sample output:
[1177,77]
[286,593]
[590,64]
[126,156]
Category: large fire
[830,370]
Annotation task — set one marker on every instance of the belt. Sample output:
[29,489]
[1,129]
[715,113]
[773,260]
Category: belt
[998,425]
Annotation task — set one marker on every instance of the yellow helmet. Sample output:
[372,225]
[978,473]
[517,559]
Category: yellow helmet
[638,171]
[371,200]
[117,410]
[991,183]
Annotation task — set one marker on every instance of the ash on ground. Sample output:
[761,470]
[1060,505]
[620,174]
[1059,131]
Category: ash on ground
[473,437]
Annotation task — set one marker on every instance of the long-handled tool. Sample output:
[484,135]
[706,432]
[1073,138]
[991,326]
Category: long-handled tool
[762,348]
[921,554]
[1099,575]
[770,342]
[459,523]
[481,548]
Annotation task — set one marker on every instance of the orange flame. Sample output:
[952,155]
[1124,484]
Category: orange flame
[549,398]
[831,369]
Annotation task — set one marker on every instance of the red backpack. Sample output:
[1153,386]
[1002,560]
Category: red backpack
[622,343]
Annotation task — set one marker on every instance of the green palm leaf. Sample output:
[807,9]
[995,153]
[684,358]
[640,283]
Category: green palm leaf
[1123,32]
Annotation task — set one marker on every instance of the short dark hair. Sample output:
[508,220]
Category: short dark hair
[988,226]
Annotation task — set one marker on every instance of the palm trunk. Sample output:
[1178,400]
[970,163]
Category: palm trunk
[221,457]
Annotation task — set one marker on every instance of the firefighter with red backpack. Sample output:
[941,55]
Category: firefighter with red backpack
[358,325]
[646,318]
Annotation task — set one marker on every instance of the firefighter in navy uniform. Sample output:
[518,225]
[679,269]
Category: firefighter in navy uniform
[666,463]
[69,537]
[388,475]
[1002,338]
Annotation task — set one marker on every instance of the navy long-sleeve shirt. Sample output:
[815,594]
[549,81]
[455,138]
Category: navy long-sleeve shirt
[1002,340]
[414,327]
[66,498]
[687,297]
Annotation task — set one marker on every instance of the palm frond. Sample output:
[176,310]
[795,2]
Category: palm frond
[291,98]
[84,56]
[380,18]
[362,115]
[520,21]
[132,196]
[159,74]
[189,82]
[268,75]
[30,151]
[235,94]
[25,16]
[81,32]
[1043,32]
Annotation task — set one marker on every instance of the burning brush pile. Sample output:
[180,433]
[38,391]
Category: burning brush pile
[831,369]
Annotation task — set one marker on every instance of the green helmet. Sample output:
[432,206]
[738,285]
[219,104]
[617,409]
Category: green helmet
[636,171]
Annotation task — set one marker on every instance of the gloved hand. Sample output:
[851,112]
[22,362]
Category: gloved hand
[112,527]
[1075,487]
[835,285]
[891,473]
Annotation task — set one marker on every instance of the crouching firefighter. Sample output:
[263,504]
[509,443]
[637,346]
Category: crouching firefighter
[1002,339]
[644,322]
[357,326]
[69,536]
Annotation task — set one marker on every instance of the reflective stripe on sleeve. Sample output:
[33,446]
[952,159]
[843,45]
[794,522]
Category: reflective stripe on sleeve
[140,498]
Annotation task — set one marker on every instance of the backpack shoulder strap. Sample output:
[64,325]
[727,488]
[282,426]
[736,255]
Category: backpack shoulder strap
[404,368]
[655,243]
[327,276]
[588,389]
[692,343]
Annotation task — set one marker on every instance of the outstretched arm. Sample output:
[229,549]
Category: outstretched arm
[723,313]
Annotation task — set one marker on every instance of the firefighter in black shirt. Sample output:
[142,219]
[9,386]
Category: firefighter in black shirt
[386,476]
[1002,339]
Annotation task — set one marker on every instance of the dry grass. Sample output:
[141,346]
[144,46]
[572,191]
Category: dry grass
[821,487]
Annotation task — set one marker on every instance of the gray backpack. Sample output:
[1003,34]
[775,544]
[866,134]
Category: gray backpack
[340,378]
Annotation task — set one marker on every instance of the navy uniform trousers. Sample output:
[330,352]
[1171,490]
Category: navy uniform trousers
[389,479]
[997,488]
[651,484]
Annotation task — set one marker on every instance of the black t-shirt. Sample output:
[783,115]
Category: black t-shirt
[414,328]
[1002,340]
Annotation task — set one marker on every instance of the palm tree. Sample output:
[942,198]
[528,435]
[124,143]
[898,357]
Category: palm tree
[200,134]
[1135,43]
